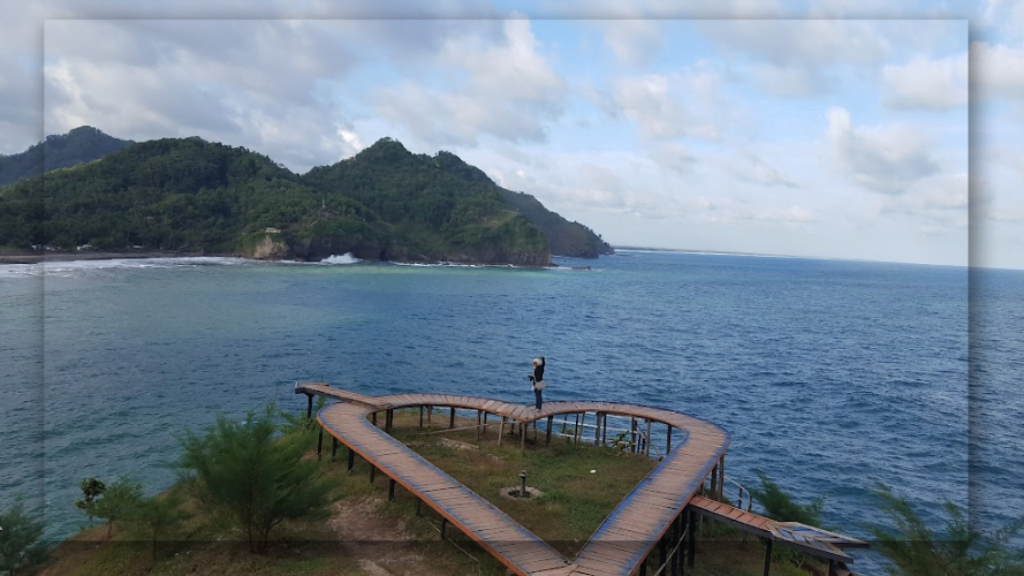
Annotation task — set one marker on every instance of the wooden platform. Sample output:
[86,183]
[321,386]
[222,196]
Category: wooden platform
[802,537]
[617,547]
[619,544]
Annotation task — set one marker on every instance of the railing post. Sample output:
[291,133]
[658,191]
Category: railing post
[547,436]
[501,430]
[351,458]
[668,443]
[309,406]
[479,415]
[647,439]
[451,420]
[421,417]
[320,443]
[391,489]
[334,448]
[767,558]
[692,552]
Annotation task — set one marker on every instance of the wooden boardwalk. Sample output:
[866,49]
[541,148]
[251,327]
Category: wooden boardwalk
[619,544]
[802,537]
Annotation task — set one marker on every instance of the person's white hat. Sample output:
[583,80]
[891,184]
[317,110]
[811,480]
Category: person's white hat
[536,361]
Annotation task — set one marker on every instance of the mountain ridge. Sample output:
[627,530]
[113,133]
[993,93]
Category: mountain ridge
[187,194]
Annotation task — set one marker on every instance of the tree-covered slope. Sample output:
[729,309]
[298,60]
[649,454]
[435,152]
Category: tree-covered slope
[432,210]
[80,145]
[192,195]
[445,185]
[174,194]
[385,203]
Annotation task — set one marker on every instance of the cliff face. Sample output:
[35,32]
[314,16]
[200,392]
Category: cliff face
[271,246]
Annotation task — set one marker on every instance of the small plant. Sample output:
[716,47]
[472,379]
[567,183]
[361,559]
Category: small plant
[780,506]
[21,548]
[914,550]
[623,442]
[157,516]
[120,501]
[91,490]
[299,423]
[243,472]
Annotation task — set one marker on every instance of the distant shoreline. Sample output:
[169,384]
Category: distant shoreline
[55,256]
[63,256]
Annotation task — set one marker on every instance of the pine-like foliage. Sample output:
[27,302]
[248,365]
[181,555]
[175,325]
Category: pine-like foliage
[914,550]
[780,506]
[245,473]
[21,546]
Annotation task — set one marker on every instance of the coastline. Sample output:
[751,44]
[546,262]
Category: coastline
[55,256]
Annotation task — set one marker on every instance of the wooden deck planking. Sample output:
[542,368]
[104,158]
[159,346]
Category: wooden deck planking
[627,535]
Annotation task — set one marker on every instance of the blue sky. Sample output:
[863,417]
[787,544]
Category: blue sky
[827,129]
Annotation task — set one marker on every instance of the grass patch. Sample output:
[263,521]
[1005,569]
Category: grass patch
[574,502]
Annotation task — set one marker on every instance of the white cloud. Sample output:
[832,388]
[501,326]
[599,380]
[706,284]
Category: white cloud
[802,42]
[885,159]
[923,83]
[511,92]
[653,104]
[998,70]
[749,167]
[673,157]
[789,215]
[790,81]
[634,42]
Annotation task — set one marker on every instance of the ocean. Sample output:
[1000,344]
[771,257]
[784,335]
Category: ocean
[829,375]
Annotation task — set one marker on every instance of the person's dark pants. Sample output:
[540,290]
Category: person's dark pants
[538,393]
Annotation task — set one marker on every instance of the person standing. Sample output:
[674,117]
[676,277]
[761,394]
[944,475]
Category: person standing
[537,380]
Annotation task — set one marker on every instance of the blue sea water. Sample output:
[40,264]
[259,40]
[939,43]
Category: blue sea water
[829,375]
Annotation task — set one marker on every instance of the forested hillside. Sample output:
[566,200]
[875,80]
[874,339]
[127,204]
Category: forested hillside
[83,144]
[190,195]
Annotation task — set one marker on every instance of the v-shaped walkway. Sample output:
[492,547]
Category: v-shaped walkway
[616,548]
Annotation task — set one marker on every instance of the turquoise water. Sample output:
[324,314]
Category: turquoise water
[829,375]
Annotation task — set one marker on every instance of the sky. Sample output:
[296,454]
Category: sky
[827,128]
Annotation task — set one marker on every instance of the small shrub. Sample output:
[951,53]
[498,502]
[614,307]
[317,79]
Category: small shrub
[91,490]
[120,501]
[914,550]
[247,475]
[21,548]
[780,506]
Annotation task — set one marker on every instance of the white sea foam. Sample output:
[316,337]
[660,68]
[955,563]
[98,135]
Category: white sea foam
[346,258]
[72,267]
[20,270]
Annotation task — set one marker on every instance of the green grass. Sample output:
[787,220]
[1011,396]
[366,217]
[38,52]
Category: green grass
[573,504]
[574,501]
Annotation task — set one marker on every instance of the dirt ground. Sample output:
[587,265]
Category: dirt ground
[383,546]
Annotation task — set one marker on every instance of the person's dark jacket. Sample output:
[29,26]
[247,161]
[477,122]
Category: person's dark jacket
[538,371]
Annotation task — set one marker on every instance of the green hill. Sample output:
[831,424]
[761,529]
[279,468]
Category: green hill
[83,144]
[196,196]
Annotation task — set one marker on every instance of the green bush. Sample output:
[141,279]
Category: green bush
[250,477]
[912,549]
[91,490]
[120,502]
[21,548]
[780,506]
